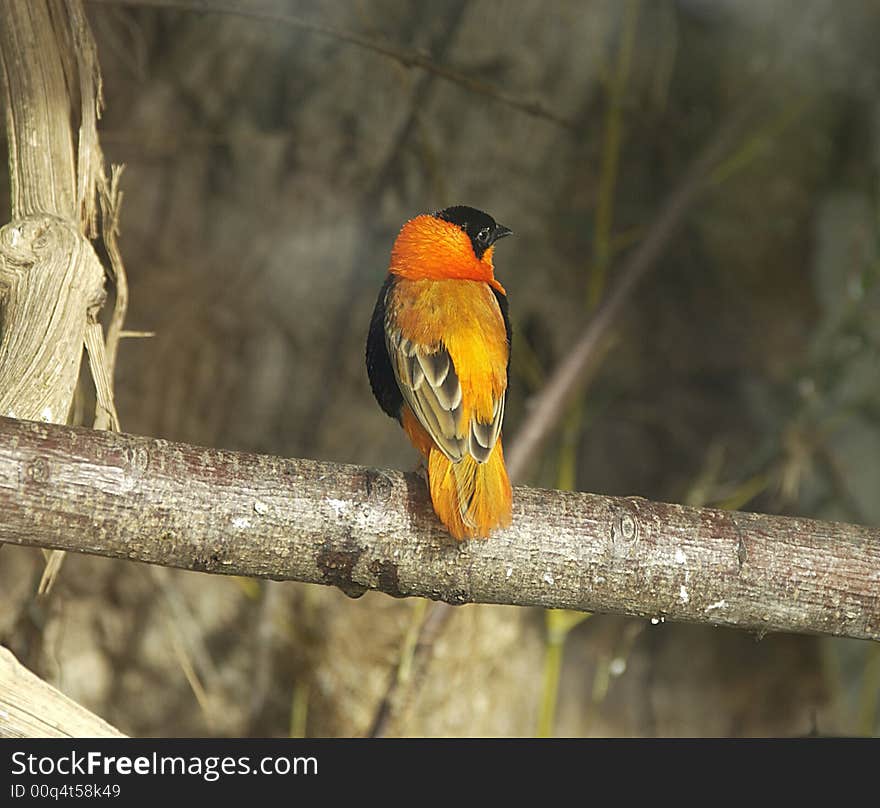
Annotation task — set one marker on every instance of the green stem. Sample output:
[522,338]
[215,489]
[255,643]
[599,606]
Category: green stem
[611,144]
[552,672]
[869,698]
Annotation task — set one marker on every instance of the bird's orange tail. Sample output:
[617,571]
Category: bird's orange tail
[471,498]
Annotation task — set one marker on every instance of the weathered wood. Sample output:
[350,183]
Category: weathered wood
[356,528]
[50,277]
[32,708]
[41,150]
[51,280]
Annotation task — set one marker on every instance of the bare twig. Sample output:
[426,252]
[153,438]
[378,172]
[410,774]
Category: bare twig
[235,513]
[265,637]
[111,202]
[136,334]
[187,642]
[430,629]
[90,158]
[372,231]
[404,56]
[548,407]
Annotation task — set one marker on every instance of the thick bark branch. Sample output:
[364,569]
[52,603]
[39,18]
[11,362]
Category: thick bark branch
[242,514]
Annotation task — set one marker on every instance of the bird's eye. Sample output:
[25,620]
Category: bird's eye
[483,236]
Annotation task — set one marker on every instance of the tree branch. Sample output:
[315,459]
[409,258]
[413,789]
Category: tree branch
[406,57]
[242,514]
[550,404]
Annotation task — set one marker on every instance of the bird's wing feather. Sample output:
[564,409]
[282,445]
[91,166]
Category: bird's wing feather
[430,385]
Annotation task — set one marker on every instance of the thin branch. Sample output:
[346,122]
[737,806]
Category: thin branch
[235,513]
[404,56]
[354,286]
[111,202]
[264,636]
[549,406]
[411,672]
[186,637]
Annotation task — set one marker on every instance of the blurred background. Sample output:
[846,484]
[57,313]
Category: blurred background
[269,165]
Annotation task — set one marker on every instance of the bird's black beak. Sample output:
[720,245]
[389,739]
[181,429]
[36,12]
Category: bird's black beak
[500,231]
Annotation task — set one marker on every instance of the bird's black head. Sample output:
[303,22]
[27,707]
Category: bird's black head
[481,228]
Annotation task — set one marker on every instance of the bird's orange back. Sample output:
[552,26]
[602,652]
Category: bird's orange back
[464,316]
[438,356]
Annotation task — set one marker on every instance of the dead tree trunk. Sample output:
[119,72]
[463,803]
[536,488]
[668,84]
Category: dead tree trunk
[51,280]
[50,276]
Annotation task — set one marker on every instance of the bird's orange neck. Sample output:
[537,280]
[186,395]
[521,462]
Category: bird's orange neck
[430,248]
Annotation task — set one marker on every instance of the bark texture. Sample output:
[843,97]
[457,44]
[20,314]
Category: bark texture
[50,276]
[356,528]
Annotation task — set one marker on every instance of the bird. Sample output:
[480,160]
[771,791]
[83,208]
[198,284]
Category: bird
[438,362]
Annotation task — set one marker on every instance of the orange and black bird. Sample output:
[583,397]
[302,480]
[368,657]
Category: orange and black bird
[438,355]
